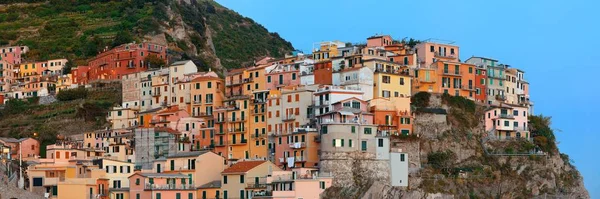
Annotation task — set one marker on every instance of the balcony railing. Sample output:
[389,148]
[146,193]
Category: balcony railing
[238,142]
[467,87]
[454,73]
[241,119]
[170,187]
[297,145]
[348,121]
[156,94]
[288,117]
[448,55]
[260,135]
[507,116]
[237,130]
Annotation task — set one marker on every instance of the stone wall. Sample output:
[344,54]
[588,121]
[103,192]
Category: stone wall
[350,167]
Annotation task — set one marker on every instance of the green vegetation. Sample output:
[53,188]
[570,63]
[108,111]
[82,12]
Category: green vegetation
[421,99]
[72,94]
[80,110]
[543,135]
[237,39]
[441,159]
[78,30]
[463,112]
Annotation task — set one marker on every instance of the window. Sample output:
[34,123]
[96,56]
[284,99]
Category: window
[367,131]
[385,94]
[402,157]
[516,113]
[363,145]
[322,184]
[386,79]
[350,143]
[506,123]
[401,81]
[241,178]
[177,195]
[353,129]
[380,142]
[137,181]
[137,196]
[38,182]
[190,195]
[269,79]
[224,179]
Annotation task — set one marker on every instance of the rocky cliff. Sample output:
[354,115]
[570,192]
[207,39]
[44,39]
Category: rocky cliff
[450,157]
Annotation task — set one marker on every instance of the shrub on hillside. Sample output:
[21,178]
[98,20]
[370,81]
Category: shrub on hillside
[543,135]
[72,94]
[441,159]
[421,99]
[459,102]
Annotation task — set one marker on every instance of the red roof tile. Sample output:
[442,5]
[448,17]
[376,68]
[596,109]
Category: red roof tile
[241,167]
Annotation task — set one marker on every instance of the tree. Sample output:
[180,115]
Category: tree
[122,37]
[154,62]
[68,66]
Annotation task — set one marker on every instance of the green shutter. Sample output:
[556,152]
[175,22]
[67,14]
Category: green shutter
[353,129]
[158,195]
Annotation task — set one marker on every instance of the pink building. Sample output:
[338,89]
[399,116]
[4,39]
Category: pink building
[297,183]
[161,185]
[379,41]
[27,147]
[12,54]
[507,122]
[283,75]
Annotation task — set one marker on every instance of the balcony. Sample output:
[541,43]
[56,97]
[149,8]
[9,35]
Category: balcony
[288,118]
[348,121]
[220,144]
[170,187]
[253,184]
[233,120]
[155,94]
[220,133]
[453,73]
[203,114]
[500,97]
[507,116]
[298,145]
[158,121]
[425,80]
[467,87]
[259,101]
[233,82]
[236,130]
[390,71]
[260,135]
[220,120]
[241,142]
[444,55]
[197,102]
[209,101]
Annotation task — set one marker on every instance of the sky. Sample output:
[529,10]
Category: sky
[554,42]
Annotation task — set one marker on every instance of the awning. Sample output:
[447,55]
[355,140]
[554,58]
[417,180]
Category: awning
[346,113]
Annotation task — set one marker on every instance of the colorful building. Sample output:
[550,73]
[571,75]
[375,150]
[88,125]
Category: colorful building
[244,178]
[161,185]
[114,63]
[392,115]
[507,122]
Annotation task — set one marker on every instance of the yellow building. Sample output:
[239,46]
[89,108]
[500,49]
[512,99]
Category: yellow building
[63,82]
[391,79]
[325,50]
[257,111]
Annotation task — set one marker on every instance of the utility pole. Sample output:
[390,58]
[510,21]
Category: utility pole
[21,180]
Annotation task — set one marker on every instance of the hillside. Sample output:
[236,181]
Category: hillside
[452,157]
[202,30]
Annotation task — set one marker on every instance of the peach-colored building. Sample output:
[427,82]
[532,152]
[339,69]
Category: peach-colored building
[29,148]
[297,183]
[430,52]
[244,178]
[161,185]
[393,116]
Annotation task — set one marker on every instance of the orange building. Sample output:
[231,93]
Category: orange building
[207,93]
[453,78]
[323,73]
[392,115]
[480,85]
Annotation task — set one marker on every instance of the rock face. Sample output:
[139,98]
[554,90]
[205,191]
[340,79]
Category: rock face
[471,174]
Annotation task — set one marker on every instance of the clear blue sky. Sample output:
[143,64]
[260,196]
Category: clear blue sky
[555,42]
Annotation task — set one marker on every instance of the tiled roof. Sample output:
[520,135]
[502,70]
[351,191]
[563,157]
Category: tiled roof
[188,154]
[204,78]
[242,167]
[8,139]
[161,175]
[213,184]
